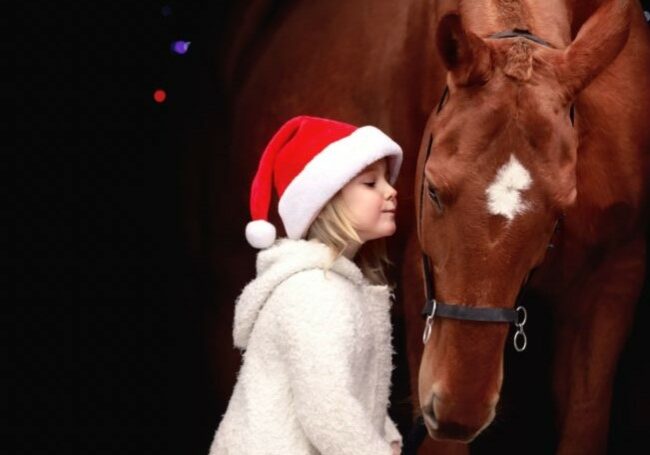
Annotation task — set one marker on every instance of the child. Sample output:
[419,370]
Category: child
[316,331]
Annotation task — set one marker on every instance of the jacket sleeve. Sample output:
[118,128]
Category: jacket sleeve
[318,335]
[391,431]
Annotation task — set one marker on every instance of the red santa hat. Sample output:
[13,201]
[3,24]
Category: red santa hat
[309,160]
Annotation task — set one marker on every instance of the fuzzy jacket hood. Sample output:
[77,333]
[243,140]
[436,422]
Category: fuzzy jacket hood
[274,265]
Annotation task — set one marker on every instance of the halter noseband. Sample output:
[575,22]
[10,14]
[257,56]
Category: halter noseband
[433,308]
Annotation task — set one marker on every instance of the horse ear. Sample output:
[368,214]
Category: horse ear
[597,44]
[464,54]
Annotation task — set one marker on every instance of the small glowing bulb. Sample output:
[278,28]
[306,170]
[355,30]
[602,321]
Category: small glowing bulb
[180,47]
[159,96]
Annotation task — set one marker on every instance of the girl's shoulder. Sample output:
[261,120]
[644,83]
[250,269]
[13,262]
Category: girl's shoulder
[310,301]
[316,281]
[316,289]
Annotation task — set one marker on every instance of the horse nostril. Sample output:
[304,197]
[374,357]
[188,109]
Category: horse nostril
[429,416]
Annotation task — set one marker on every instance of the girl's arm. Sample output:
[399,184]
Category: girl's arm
[317,335]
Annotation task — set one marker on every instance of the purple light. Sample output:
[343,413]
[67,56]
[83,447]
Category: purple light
[166,10]
[180,47]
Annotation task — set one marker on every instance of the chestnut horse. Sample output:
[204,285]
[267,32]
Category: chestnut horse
[504,159]
[376,62]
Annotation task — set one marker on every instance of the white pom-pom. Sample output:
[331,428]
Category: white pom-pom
[260,234]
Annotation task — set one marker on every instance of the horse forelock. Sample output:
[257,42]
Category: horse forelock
[519,60]
[487,17]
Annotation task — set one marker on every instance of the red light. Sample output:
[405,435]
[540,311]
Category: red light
[159,96]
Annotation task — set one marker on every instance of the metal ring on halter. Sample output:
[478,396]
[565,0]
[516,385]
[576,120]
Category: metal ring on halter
[429,324]
[519,334]
[520,346]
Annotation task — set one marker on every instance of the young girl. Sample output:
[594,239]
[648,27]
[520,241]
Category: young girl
[314,326]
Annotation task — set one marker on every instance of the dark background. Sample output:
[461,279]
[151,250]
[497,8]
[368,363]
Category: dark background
[146,278]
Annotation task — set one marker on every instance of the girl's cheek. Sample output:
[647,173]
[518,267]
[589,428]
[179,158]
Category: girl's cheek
[379,207]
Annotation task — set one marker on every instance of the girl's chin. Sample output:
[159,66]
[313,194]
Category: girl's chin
[388,230]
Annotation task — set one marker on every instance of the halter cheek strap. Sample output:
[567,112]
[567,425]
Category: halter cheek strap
[433,307]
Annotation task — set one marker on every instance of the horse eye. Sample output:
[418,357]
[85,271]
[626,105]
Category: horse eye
[433,195]
[572,112]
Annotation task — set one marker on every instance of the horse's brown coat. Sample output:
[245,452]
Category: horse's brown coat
[512,96]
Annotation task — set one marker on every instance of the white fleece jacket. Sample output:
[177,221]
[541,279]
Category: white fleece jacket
[315,376]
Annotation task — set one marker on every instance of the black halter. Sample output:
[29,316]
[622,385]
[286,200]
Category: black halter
[433,307]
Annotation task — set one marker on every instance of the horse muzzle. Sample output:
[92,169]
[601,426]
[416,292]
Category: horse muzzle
[456,421]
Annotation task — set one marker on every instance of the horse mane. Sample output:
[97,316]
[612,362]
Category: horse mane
[515,13]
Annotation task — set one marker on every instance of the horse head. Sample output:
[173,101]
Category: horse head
[497,168]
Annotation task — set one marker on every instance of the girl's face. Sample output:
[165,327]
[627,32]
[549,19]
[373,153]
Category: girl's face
[371,202]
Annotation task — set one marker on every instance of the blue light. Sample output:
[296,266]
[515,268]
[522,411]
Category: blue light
[180,47]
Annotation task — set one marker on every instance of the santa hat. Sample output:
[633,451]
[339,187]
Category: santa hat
[309,160]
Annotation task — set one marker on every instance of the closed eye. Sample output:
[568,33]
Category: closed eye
[371,184]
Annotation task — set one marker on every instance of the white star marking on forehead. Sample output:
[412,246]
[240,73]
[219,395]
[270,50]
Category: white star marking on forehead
[504,193]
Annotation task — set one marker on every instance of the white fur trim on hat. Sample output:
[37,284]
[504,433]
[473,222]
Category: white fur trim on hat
[329,171]
[260,234]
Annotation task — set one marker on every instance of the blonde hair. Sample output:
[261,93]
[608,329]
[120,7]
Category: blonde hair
[333,227]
